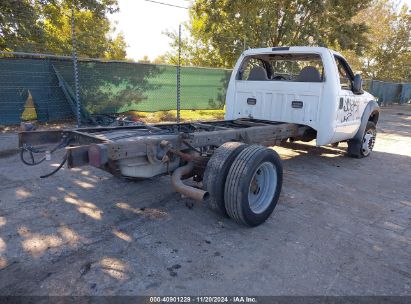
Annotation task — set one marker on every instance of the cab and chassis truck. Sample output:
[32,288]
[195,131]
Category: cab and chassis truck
[274,94]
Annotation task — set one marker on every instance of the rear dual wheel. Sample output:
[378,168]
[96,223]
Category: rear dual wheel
[244,182]
[253,185]
[216,172]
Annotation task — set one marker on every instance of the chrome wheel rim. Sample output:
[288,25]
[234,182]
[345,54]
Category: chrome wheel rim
[262,187]
[368,141]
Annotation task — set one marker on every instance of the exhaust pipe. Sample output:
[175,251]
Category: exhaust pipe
[179,186]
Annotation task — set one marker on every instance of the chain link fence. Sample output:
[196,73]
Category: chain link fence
[47,84]
[389,92]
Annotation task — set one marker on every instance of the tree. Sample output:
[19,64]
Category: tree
[117,48]
[388,54]
[145,59]
[221,29]
[193,51]
[44,26]
[19,25]
[162,59]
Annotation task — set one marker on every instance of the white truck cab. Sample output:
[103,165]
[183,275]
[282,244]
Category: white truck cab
[312,86]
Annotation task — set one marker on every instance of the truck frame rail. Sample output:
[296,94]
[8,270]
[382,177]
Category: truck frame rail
[102,146]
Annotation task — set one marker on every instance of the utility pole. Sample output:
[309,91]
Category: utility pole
[178,74]
[75,65]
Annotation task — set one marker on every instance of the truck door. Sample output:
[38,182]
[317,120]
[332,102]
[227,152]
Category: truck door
[350,105]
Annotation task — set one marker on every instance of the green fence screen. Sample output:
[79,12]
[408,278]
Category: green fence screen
[116,87]
[105,88]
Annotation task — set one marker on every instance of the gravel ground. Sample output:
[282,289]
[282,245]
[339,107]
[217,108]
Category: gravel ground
[342,227]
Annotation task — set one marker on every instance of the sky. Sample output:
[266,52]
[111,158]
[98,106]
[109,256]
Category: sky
[143,23]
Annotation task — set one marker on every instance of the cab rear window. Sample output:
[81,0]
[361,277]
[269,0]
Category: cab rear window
[282,67]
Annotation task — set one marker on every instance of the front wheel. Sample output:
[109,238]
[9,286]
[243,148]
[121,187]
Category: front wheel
[367,144]
[253,185]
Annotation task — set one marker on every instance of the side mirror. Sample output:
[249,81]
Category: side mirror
[357,84]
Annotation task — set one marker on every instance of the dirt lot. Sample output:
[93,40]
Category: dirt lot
[342,227]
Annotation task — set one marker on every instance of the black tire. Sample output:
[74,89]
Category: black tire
[216,172]
[242,177]
[363,148]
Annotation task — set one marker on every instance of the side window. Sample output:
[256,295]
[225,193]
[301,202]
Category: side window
[250,63]
[345,79]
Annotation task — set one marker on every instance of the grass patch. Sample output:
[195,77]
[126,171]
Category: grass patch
[29,112]
[186,115]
